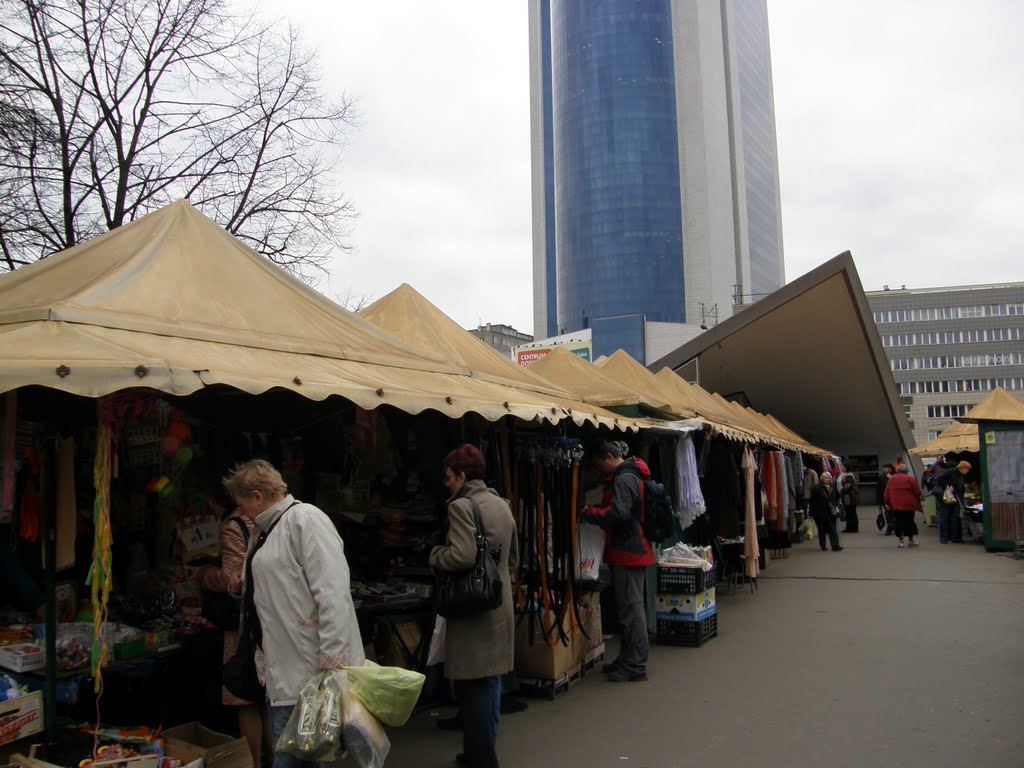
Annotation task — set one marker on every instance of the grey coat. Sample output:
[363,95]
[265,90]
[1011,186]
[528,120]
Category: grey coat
[481,645]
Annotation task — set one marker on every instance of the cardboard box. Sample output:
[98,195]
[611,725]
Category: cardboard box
[541,660]
[22,657]
[21,717]
[198,747]
[671,607]
[590,620]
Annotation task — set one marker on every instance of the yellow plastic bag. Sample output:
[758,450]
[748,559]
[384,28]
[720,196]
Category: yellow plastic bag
[389,693]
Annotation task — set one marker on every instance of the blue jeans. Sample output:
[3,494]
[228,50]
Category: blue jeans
[480,704]
[278,720]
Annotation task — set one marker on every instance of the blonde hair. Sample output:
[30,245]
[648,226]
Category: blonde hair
[256,475]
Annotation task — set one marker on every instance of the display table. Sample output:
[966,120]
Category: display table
[389,625]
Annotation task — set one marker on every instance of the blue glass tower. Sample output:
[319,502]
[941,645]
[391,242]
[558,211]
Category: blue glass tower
[655,189]
[618,220]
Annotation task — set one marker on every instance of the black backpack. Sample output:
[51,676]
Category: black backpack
[219,608]
[658,520]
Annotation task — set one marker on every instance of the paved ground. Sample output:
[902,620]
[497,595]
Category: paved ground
[873,656]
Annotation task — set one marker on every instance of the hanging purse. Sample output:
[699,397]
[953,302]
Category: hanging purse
[465,593]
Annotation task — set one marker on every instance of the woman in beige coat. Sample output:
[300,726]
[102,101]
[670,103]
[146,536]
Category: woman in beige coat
[479,649]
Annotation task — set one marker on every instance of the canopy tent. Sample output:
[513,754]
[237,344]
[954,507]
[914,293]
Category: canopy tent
[957,438]
[627,371]
[732,419]
[408,314]
[173,302]
[585,380]
[999,406]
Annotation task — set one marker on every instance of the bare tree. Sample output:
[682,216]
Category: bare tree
[112,108]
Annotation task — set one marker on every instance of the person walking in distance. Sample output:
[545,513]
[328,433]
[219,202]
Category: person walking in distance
[628,553]
[849,495]
[949,495]
[883,480]
[823,501]
[903,497]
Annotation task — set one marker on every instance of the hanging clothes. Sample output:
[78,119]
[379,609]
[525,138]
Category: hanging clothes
[690,503]
[751,551]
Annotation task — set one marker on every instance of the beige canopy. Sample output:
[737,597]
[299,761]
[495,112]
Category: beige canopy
[173,302]
[999,406]
[408,314]
[584,379]
[957,438]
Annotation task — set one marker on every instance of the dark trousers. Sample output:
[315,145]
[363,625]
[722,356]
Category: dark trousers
[905,524]
[949,521]
[480,705]
[852,523]
[827,527]
[628,583]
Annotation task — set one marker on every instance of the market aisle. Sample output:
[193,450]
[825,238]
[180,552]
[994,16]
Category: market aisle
[873,656]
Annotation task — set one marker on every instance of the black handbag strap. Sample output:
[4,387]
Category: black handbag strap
[251,620]
[481,537]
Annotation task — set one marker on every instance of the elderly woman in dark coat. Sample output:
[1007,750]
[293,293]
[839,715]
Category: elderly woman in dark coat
[479,649]
[823,497]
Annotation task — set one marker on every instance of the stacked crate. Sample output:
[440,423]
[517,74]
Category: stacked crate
[685,606]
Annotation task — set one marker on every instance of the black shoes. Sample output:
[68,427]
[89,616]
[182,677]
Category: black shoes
[619,676]
[836,549]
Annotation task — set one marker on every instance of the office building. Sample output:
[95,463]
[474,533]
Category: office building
[949,347]
[503,338]
[655,170]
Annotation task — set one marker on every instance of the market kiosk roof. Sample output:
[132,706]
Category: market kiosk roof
[810,354]
[999,406]
[409,315]
[585,380]
[956,438]
[173,302]
[628,372]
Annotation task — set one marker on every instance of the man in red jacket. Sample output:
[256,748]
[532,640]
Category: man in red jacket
[627,552]
[903,497]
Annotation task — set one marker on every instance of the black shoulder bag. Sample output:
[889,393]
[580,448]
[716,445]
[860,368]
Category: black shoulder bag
[465,593]
[239,673]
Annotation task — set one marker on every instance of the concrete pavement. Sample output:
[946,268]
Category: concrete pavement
[872,656]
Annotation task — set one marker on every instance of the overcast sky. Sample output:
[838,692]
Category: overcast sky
[900,127]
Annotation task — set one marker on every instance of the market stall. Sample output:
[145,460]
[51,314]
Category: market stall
[130,386]
[999,420]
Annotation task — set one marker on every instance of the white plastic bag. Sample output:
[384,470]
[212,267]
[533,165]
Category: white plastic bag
[590,552]
[362,734]
[437,640]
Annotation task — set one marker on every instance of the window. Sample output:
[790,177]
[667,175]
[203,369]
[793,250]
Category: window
[1015,309]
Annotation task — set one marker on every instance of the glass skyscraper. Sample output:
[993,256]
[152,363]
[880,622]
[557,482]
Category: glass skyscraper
[655,177]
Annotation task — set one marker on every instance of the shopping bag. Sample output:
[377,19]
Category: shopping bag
[949,495]
[362,734]
[880,520]
[590,554]
[313,732]
[437,640]
[810,529]
[389,693]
